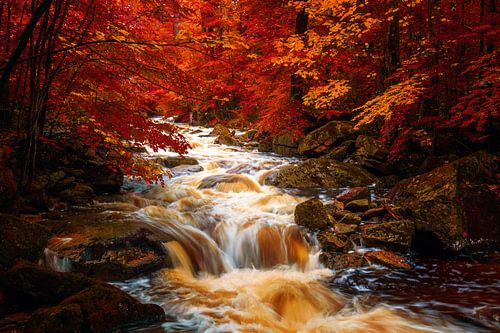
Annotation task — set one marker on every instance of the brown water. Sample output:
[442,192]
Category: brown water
[242,265]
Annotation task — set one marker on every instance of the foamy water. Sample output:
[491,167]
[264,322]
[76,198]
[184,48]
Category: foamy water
[241,264]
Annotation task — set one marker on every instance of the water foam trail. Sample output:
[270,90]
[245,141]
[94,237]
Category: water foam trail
[240,262]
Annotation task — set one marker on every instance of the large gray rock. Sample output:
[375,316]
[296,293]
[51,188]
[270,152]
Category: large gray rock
[457,203]
[320,172]
[321,140]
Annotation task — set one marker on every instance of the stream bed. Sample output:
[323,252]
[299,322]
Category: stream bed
[242,265]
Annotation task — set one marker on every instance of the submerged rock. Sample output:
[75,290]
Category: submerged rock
[20,239]
[456,204]
[320,172]
[312,215]
[172,162]
[321,140]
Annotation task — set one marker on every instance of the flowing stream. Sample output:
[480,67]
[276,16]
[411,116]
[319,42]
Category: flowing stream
[242,265]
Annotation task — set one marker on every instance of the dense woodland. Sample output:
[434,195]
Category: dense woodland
[422,74]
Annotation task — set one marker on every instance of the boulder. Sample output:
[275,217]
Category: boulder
[457,204]
[106,308]
[343,261]
[387,258]
[332,242]
[321,140]
[394,236]
[228,140]
[354,193]
[320,172]
[343,151]
[248,135]
[312,215]
[359,205]
[172,162]
[219,130]
[20,239]
[57,319]
[79,194]
[30,285]
[372,154]
[110,247]
[265,145]
[286,144]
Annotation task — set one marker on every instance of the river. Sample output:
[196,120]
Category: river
[242,265]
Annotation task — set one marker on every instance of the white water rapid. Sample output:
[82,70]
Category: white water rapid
[241,264]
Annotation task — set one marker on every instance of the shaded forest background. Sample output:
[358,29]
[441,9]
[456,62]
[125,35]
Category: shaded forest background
[421,74]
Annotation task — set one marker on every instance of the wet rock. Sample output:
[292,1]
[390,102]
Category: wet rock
[457,203]
[321,140]
[354,193]
[345,229]
[219,130]
[344,260]
[332,242]
[320,172]
[350,218]
[20,239]
[230,183]
[58,319]
[343,151]
[394,236]
[106,308]
[387,258]
[286,144]
[228,140]
[78,195]
[29,285]
[359,205]
[183,169]
[312,215]
[248,135]
[172,162]
[372,154]
[102,179]
[265,145]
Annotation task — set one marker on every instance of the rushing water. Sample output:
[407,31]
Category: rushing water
[241,264]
